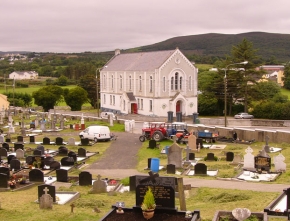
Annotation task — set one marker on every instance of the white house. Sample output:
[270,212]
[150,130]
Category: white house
[19,75]
[149,83]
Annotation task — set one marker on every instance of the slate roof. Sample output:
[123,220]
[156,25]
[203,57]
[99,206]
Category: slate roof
[142,61]
[23,72]
[131,96]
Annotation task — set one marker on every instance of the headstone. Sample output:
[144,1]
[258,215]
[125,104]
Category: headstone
[99,186]
[82,152]
[132,183]
[191,156]
[59,141]
[15,164]
[5,170]
[267,147]
[85,178]
[199,143]
[237,159]
[41,148]
[36,175]
[6,146]
[263,161]
[31,139]
[171,169]
[149,163]
[85,141]
[29,160]
[73,155]
[71,141]
[152,144]
[48,160]
[2,139]
[241,213]
[187,150]
[19,154]
[43,126]
[20,139]
[10,157]
[192,142]
[175,155]
[200,169]
[49,190]
[249,158]
[55,165]
[62,175]
[4,180]
[280,166]
[18,146]
[46,141]
[37,152]
[229,156]
[210,157]
[3,152]
[62,151]
[67,161]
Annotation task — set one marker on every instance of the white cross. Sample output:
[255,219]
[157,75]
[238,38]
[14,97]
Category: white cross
[45,190]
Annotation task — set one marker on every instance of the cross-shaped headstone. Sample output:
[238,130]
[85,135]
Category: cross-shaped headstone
[151,177]
[45,190]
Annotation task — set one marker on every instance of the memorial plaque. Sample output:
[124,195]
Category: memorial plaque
[263,163]
[164,195]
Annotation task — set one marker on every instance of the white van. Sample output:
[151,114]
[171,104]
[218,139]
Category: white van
[96,133]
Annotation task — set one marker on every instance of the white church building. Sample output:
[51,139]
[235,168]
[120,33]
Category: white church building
[149,83]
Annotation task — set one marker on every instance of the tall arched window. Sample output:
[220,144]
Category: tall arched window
[164,84]
[121,82]
[112,81]
[130,82]
[176,81]
[104,81]
[180,83]
[189,83]
[151,84]
[172,83]
[140,83]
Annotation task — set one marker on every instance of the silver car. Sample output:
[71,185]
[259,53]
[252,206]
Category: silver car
[244,116]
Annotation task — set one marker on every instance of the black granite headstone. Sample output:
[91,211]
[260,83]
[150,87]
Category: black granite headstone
[42,189]
[73,155]
[85,141]
[3,180]
[191,156]
[29,160]
[31,139]
[15,164]
[20,139]
[3,152]
[5,170]
[149,163]
[229,156]
[37,152]
[6,146]
[62,151]
[18,145]
[200,169]
[41,148]
[199,142]
[46,141]
[36,175]
[61,175]
[152,144]
[67,161]
[54,165]
[171,169]
[210,157]
[48,160]
[10,157]
[59,141]
[82,152]
[85,178]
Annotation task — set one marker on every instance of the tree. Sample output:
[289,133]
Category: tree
[48,96]
[75,98]
[62,80]
[286,77]
[89,83]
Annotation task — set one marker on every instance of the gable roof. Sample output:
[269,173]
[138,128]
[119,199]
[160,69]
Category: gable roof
[23,72]
[142,61]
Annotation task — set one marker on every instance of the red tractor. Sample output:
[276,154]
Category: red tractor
[155,130]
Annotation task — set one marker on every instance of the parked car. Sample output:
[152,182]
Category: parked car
[244,116]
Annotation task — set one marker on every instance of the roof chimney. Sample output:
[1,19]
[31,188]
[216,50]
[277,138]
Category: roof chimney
[117,51]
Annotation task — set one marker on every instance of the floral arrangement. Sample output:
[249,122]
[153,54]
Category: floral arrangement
[148,201]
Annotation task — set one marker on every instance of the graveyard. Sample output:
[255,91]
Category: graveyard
[55,185]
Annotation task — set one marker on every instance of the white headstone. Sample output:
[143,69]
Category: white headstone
[280,166]
[241,213]
[249,158]
[19,153]
[71,141]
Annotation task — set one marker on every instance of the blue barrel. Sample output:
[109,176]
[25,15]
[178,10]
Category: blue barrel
[154,165]
[166,149]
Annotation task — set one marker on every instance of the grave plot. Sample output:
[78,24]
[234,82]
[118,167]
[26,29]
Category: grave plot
[201,170]
[280,206]
[163,189]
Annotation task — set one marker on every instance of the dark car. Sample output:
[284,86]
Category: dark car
[243,116]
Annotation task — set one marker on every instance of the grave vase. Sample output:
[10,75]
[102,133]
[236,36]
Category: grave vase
[148,214]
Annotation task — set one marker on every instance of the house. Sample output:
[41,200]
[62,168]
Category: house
[273,73]
[149,83]
[4,103]
[19,75]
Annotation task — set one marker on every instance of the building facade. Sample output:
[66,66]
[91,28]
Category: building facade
[19,75]
[149,83]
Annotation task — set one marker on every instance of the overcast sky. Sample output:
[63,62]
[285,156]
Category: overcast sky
[104,25]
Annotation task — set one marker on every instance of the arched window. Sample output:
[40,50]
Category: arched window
[151,84]
[130,82]
[104,81]
[164,84]
[172,83]
[112,81]
[189,83]
[176,81]
[121,82]
[140,83]
[180,83]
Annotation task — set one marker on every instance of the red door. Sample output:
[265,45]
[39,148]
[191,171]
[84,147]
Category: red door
[134,108]
[177,106]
